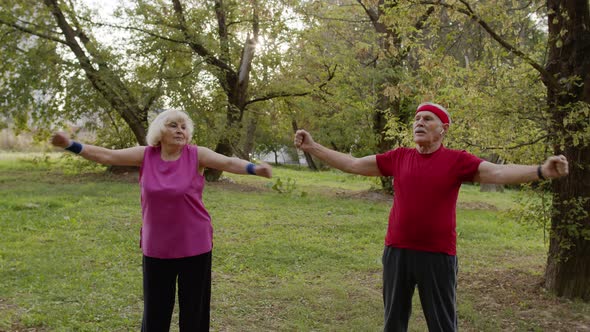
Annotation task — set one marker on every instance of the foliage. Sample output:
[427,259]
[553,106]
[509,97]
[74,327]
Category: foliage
[32,73]
[274,132]
[576,125]
[340,114]
[573,226]
[496,100]
[286,186]
[149,55]
[533,208]
[450,62]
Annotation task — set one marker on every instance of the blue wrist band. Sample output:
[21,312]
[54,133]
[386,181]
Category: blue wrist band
[75,147]
[251,169]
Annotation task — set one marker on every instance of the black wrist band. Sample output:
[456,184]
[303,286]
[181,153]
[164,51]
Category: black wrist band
[540,174]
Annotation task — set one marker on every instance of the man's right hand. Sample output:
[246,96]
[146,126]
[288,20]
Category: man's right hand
[60,139]
[303,140]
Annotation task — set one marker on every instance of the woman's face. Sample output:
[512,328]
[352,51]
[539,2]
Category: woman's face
[175,133]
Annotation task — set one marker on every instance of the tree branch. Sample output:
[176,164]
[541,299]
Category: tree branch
[197,47]
[512,147]
[548,79]
[249,50]
[32,32]
[277,95]
[147,32]
[373,16]
[103,79]
[157,92]
[269,96]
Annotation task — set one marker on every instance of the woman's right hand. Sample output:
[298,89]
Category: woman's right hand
[60,139]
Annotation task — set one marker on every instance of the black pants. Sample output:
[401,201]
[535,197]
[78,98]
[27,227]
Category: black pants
[435,274]
[194,292]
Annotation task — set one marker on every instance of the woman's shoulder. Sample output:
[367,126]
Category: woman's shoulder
[193,148]
[198,148]
[151,149]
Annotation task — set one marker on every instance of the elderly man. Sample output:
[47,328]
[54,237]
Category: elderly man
[420,244]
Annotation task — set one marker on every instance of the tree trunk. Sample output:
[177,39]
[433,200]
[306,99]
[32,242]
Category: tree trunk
[386,107]
[492,187]
[102,78]
[568,262]
[250,135]
[379,129]
[310,163]
[223,147]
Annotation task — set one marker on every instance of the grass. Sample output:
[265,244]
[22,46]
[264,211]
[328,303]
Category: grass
[305,260]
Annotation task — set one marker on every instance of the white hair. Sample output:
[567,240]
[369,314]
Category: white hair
[154,134]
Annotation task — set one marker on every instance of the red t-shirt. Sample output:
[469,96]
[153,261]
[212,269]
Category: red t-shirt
[426,188]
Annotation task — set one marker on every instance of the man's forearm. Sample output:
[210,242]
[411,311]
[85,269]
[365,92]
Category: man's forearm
[333,158]
[511,174]
[514,174]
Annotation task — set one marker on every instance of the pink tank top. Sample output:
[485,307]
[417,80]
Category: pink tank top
[175,221]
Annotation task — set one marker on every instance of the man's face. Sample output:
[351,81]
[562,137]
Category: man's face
[428,128]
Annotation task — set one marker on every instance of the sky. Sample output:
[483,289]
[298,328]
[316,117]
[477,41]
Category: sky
[105,10]
[105,7]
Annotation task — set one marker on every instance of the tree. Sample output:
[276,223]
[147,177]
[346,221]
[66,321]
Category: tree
[340,40]
[58,29]
[226,38]
[394,49]
[566,77]
[189,53]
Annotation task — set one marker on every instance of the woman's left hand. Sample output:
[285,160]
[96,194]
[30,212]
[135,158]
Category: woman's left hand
[60,139]
[263,169]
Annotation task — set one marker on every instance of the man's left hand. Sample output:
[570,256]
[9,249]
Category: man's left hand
[555,167]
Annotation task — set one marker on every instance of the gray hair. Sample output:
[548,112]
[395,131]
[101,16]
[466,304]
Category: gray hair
[154,134]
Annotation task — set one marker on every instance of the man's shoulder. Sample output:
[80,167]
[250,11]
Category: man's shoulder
[461,155]
[454,151]
[395,153]
[401,149]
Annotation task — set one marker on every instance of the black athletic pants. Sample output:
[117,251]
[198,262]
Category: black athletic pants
[194,292]
[435,274]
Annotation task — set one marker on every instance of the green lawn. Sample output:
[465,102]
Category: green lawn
[305,260]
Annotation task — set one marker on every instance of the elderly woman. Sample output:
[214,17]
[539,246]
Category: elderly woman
[176,234]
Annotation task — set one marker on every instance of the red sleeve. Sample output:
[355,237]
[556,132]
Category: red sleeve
[386,162]
[468,165]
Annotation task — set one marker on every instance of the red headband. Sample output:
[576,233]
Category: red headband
[438,110]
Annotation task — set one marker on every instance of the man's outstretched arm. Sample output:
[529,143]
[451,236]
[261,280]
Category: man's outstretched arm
[553,168]
[344,162]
